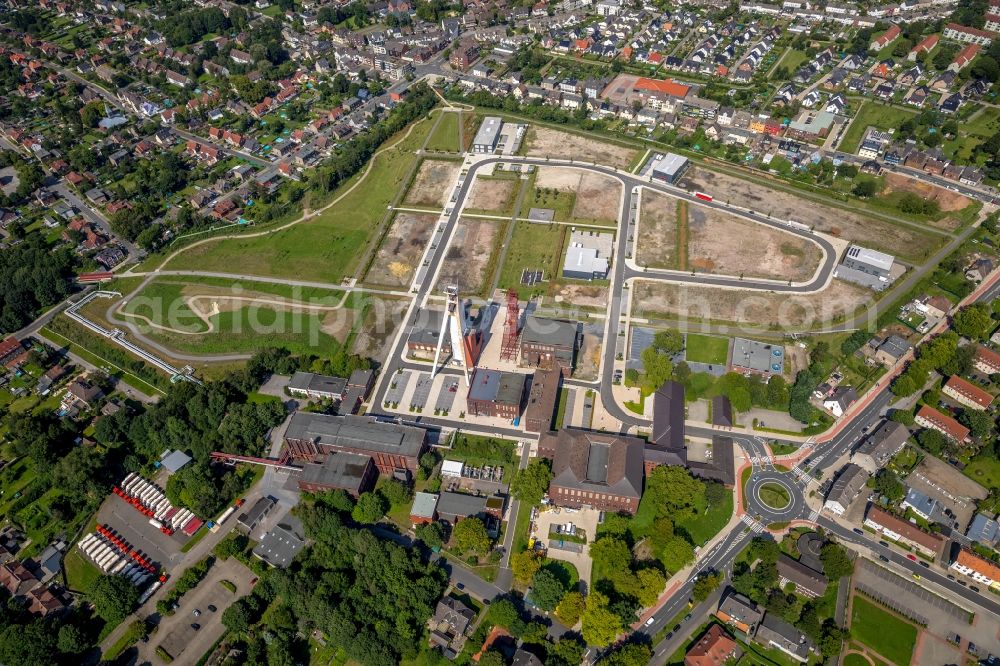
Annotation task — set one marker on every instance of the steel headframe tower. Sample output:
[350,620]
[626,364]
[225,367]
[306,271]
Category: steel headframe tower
[511,332]
[454,325]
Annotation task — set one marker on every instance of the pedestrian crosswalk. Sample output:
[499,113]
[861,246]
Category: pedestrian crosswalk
[755,526]
[813,516]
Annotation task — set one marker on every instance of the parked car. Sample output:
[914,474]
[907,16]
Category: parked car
[196,612]
[650,621]
[195,626]
[883,558]
[911,556]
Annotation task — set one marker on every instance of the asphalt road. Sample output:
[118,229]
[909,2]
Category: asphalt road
[620,271]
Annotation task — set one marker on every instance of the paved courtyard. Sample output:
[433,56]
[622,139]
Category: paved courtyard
[575,554]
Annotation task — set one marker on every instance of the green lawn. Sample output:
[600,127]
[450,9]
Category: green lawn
[876,115]
[984,123]
[80,572]
[445,137]
[793,60]
[704,524]
[164,302]
[328,247]
[708,521]
[560,202]
[533,247]
[984,470]
[706,349]
[564,571]
[774,496]
[890,636]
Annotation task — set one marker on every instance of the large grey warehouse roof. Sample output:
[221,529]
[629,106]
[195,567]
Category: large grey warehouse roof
[670,164]
[488,131]
[870,257]
[549,332]
[358,432]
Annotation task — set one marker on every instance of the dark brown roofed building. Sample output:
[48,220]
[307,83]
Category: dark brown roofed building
[807,580]
[668,416]
[904,531]
[542,400]
[722,412]
[598,470]
[549,343]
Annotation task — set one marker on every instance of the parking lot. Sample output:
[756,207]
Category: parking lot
[178,636]
[943,617]
[584,522]
[134,528]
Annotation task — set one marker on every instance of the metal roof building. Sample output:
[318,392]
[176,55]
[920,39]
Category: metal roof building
[317,386]
[392,446]
[587,255]
[282,543]
[488,135]
[758,357]
[671,168]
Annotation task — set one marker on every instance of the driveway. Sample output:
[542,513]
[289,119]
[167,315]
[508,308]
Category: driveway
[175,634]
[574,553]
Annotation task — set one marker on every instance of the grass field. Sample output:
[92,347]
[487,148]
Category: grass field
[875,115]
[984,470]
[706,349]
[533,247]
[445,137]
[80,572]
[328,247]
[774,496]
[890,636]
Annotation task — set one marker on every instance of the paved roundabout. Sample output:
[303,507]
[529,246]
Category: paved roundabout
[766,491]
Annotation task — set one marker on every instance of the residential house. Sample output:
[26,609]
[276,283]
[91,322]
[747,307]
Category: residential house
[904,532]
[966,393]
[928,417]
[846,488]
[807,581]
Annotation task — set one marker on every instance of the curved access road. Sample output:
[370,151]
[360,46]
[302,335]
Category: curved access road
[621,272]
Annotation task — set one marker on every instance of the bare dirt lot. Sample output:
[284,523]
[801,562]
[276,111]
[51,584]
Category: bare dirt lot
[468,256]
[947,200]
[582,295]
[492,194]
[776,310]
[760,252]
[382,319]
[433,183]
[597,197]
[401,250]
[545,142]
[871,232]
[656,246]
